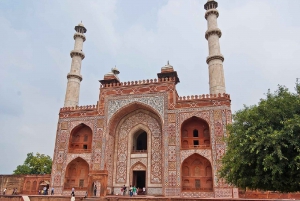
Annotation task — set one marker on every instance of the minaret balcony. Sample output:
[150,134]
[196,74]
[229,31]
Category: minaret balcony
[79,35]
[211,11]
[213,57]
[212,32]
[77,53]
[70,75]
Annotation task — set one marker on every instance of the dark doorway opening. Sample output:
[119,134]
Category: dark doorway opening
[139,179]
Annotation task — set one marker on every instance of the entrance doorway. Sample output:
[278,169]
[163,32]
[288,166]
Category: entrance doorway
[139,179]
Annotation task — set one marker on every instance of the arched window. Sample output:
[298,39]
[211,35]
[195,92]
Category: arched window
[140,141]
[195,133]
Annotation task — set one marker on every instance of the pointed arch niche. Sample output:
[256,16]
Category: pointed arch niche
[195,134]
[196,174]
[77,174]
[81,139]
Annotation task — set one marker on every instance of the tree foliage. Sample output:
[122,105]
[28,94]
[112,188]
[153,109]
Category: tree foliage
[263,145]
[39,164]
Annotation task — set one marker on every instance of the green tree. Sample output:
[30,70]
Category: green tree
[39,164]
[263,145]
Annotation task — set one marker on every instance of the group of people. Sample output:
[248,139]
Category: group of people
[132,190]
[15,191]
[44,191]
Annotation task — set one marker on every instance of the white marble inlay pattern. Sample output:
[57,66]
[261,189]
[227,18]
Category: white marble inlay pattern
[156,102]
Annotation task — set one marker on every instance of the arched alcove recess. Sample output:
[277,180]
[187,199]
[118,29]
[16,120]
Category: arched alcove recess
[81,139]
[195,134]
[196,174]
[27,186]
[139,141]
[76,174]
[33,187]
[127,110]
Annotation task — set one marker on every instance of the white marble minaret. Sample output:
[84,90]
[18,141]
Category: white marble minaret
[215,58]
[74,77]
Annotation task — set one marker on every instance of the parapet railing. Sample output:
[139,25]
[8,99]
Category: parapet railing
[138,151]
[74,150]
[204,146]
[203,96]
[139,82]
[86,107]
[196,189]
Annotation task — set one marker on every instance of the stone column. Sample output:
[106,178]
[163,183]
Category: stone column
[215,58]
[74,77]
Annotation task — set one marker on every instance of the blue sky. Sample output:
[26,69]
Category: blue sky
[260,43]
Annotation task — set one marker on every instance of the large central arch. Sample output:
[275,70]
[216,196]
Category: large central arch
[133,121]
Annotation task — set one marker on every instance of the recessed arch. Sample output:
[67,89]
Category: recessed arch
[195,133]
[80,140]
[76,174]
[199,173]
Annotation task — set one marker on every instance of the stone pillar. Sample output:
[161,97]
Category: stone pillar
[215,58]
[74,77]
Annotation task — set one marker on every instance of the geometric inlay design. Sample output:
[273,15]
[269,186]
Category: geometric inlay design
[156,102]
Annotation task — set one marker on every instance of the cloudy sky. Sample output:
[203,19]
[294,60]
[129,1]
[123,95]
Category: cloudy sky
[260,42]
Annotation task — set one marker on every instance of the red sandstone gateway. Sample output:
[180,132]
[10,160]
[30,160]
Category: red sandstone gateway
[141,133]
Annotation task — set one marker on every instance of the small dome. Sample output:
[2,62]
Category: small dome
[115,71]
[80,24]
[167,66]
[109,74]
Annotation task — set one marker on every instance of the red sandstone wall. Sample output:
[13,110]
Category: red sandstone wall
[268,195]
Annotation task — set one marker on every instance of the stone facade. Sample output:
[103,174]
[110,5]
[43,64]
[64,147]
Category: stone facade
[142,133]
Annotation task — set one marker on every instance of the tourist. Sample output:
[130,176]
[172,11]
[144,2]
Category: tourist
[73,192]
[45,190]
[137,190]
[130,191]
[52,191]
[144,191]
[4,191]
[124,190]
[13,191]
[134,190]
[86,194]
[95,190]
[73,198]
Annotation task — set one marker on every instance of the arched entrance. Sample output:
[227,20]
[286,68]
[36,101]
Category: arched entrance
[139,176]
[77,175]
[196,174]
